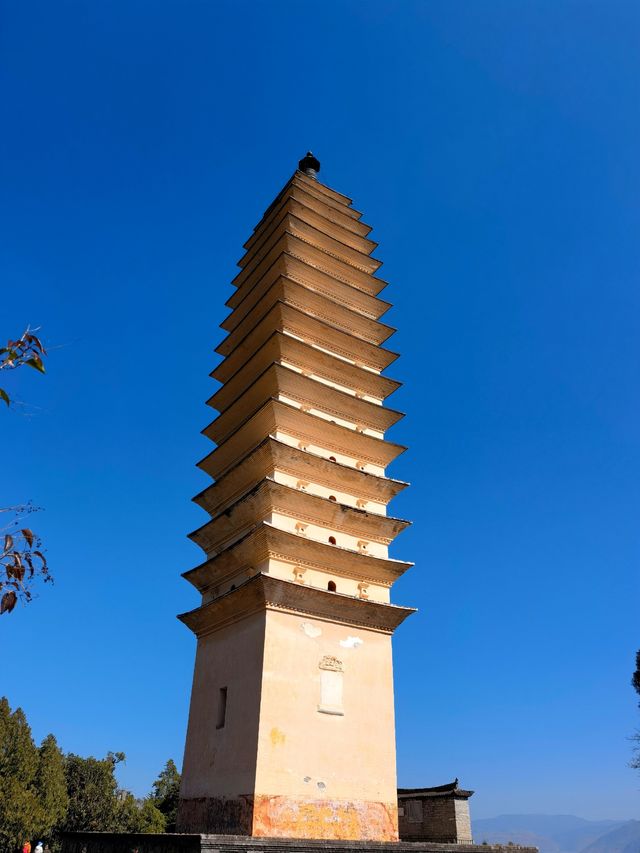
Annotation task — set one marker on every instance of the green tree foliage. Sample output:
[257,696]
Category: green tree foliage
[136,816]
[51,785]
[43,792]
[96,804]
[166,793]
[21,812]
[93,793]
[127,813]
[151,818]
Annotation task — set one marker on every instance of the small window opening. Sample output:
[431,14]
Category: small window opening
[222,708]
[332,540]
[359,428]
[302,445]
[233,586]
[332,459]
[331,586]
[360,466]
[332,498]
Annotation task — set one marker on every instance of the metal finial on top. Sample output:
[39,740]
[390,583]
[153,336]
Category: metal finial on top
[310,165]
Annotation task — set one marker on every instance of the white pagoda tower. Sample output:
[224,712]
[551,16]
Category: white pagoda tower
[291,727]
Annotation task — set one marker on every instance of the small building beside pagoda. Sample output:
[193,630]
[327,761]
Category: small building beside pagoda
[439,814]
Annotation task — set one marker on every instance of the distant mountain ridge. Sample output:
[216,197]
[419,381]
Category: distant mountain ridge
[624,839]
[560,833]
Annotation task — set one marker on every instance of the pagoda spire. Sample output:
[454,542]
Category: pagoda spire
[309,165]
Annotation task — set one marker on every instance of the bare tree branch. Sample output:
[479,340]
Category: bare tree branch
[26,350]
[22,559]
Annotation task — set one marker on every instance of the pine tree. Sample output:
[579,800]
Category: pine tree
[21,813]
[43,792]
[50,785]
[166,793]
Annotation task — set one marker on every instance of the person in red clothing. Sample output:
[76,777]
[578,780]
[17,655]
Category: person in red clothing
[26,847]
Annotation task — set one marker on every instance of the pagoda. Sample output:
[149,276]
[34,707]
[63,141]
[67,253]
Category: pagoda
[291,728]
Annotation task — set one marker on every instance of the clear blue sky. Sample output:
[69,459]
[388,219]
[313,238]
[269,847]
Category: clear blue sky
[494,148]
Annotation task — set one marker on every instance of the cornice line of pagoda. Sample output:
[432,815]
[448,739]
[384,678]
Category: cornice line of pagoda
[311,303]
[348,406]
[287,348]
[320,234]
[315,257]
[316,304]
[318,190]
[315,185]
[281,416]
[278,379]
[266,541]
[319,208]
[299,183]
[261,593]
[352,229]
[249,570]
[327,337]
[272,455]
[304,204]
[271,496]
[289,266]
[291,229]
[322,191]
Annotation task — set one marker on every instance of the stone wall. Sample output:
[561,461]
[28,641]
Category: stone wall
[120,842]
[437,819]
[105,842]
[222,815]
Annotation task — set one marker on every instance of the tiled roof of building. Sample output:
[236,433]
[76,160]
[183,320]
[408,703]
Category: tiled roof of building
[450,789]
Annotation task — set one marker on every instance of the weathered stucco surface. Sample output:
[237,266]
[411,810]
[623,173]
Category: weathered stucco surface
[222,815]
[222,762]
[307,748]
[304,754]
[282,817]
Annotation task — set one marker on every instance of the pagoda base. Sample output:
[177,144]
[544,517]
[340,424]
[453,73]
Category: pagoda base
[284,817]
[110,842]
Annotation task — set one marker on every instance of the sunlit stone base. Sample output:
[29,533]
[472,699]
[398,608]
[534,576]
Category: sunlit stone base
[282,817]
[285,817]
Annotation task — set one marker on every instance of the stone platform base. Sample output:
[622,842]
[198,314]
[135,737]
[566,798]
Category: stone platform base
[107,842]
